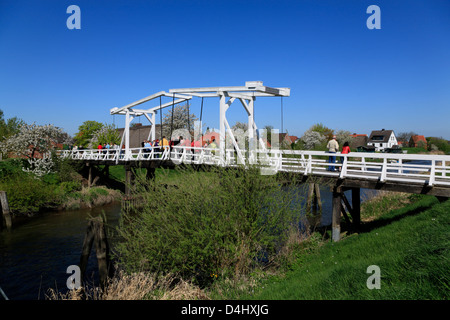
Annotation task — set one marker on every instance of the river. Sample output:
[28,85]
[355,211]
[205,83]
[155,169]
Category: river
[35,254]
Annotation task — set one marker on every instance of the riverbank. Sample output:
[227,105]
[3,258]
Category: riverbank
[405,235]
[409,245]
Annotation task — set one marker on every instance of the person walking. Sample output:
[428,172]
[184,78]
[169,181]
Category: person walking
[333,147]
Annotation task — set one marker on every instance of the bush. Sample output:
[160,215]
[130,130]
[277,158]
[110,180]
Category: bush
[439,144]
[29,195]
[11,167]
[222,222]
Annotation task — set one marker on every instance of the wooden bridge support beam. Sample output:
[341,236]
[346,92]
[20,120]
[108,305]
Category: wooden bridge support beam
[92,176]
[336,214]
[150,173]
[356,207]
[341,205]
[129,179]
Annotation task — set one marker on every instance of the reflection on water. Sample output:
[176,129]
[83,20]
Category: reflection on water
[35,254]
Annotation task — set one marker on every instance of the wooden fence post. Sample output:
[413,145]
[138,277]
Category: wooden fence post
[5,210]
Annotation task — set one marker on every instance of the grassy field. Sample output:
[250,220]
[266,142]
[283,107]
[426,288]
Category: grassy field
[409,245]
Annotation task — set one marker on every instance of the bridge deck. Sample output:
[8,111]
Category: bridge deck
[415,173]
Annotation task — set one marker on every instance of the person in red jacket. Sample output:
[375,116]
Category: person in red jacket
[345,150]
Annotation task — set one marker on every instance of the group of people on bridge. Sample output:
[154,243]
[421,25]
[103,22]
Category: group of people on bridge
[147,145]
[333,147]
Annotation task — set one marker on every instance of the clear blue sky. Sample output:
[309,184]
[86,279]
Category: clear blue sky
[340,73]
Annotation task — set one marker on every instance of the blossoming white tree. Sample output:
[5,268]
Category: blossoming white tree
[35,143]
[312,138]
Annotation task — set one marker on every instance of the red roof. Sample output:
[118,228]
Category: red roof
[358,135]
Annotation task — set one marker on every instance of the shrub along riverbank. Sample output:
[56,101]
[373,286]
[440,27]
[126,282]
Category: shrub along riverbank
[62,189]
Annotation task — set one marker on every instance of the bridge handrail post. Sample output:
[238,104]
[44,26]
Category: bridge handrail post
[308,169]
[432,173]
[183,155]
[383,170]
[279,160]
[343,168]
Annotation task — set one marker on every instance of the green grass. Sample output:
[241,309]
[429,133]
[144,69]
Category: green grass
[118,173]
[412,150]
[409,245]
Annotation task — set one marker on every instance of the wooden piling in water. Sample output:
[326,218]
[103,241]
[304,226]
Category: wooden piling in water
[96,234]
[313,201]
[5,210]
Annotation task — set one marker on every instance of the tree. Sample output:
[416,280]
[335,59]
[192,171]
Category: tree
[86,132]
[32,140]
[312,139]
[323,130]
[404,137]
[343,136]
[316,137]
[9,127]
[35,143]
[107,134]
[178,124]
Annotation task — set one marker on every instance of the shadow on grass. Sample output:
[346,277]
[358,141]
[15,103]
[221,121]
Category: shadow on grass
[396,215]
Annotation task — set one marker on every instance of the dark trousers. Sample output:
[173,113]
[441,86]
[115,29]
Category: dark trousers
[332,159]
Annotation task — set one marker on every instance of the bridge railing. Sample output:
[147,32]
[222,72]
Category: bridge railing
[412,168]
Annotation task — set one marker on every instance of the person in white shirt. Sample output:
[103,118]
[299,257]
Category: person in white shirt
[333,147]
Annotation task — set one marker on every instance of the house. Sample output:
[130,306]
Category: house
[418,141]
[284,140]
[358,141]
[382,139]
[294,139]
